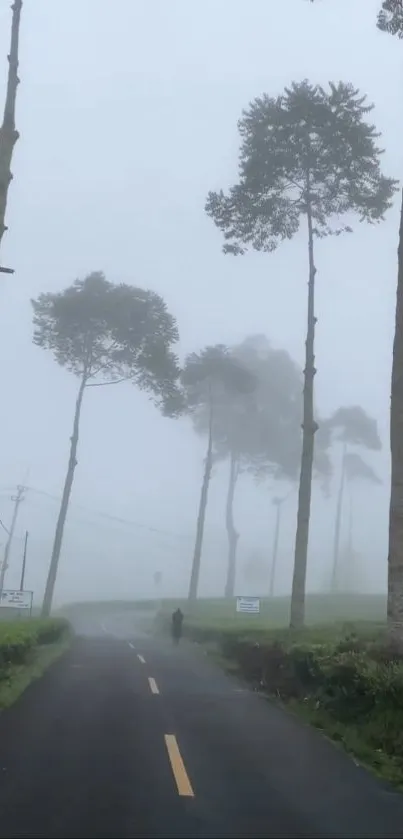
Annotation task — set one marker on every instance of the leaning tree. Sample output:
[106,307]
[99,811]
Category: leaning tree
[262,428]
[307,154]
[105,334]
[8,132]
[212,379]
[257,431]
[353,429]
[256,425]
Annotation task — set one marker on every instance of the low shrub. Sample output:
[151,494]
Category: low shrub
[345,674]
[18,639]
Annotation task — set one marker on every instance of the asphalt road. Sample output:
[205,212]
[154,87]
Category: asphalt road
[128,737]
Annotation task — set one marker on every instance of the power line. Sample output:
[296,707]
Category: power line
[4,527]
[117,519]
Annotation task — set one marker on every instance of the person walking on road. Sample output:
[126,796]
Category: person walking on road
[177,625]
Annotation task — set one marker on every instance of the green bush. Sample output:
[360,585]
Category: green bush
[339,673]
[18,639]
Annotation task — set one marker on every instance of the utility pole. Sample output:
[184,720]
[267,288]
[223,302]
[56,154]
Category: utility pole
[24,562]
[278,503]
[17,501]
[338,523]
[8,132]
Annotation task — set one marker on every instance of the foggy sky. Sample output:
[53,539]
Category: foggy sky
[128,116]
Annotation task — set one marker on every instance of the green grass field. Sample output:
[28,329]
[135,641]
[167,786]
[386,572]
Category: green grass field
[321,609]
[220,614]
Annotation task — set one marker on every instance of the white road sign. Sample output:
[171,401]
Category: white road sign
[16,599]
[248,604]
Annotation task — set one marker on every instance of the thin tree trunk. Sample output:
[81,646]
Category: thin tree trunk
[8,133]
[275,549]
[208,465]
[309,427]
[233,535]
[395,556]
[337,524]
[57,544]
[350,540]
[350,569]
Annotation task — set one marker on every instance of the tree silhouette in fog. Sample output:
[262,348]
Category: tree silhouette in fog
[353,428]
[307,155]
[105,334]
[212,381]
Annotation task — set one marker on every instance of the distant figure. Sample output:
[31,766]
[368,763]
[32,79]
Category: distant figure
[177,622]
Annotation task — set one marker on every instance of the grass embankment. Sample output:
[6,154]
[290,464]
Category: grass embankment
[218,613]
[338,674]
[27,648]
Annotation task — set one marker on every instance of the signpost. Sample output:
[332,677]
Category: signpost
[251,605]
[13,599]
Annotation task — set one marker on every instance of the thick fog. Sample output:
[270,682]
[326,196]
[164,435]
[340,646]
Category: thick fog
[128,116]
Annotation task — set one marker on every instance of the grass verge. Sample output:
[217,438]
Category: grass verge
[27,649]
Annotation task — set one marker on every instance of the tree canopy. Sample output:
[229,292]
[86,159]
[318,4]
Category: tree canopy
[256,407]
[390,18]
[261,420]
[275,448]
[211,377]
[307,146]
[104,333]
[351,424]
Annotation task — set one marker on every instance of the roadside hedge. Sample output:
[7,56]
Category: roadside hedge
[344,680]
[356,683]
[19,639]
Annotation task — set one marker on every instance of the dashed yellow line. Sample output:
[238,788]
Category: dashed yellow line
[178,767]
[153,685]
[140,658]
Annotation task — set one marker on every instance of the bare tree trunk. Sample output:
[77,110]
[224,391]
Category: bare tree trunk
[350,541]
[57,544]
[233,535]
[395,556]
[8,133]
[337,525]
[208,465]
[273,568]
[309,427]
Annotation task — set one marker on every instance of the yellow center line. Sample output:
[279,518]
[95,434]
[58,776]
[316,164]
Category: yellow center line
[178,767]
[140,658]
[153,685]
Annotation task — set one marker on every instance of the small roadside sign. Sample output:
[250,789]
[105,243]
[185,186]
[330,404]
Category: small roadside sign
[251,605]
[11,598]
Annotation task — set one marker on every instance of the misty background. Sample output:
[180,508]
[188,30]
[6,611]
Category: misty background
[128,116]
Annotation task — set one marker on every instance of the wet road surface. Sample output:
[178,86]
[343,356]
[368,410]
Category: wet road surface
[127,736]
